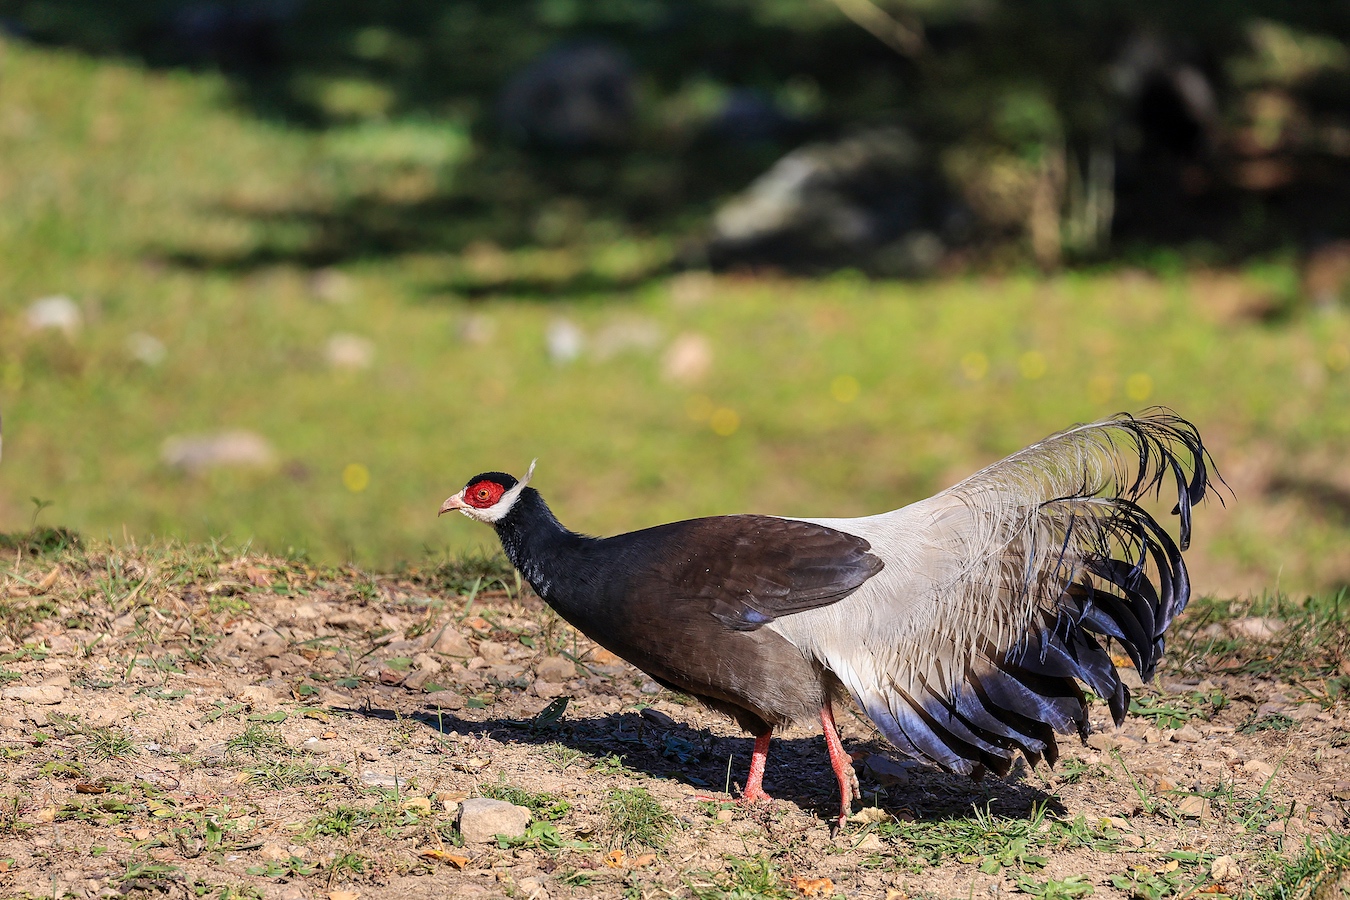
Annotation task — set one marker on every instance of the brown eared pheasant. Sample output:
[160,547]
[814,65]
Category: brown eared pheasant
[963,625]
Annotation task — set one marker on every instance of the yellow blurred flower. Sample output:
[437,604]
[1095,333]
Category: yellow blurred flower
[725,421]
[355,477]
[1138,387]
[974,365]
[845,388]
[1032,365]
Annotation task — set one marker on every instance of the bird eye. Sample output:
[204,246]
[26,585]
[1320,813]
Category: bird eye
[482,493]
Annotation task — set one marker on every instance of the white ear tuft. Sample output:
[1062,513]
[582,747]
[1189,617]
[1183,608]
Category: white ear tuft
[530,474]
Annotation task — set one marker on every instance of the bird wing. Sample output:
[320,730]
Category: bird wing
[748,570]
[999,591]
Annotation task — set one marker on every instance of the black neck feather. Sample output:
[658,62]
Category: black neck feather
[543,549]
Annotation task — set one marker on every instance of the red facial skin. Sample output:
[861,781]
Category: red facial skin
[483,494]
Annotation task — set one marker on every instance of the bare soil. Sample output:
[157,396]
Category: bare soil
[198,725]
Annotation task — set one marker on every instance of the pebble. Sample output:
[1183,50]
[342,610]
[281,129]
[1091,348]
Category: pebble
[869,844]
[1186,734]
[548,690]
[493,653]
[1256,628]
[482,819]
[1194,807]
[1225,870]
[1258,767]
[555,669]
[451,643]
[445,700]
[1102,741]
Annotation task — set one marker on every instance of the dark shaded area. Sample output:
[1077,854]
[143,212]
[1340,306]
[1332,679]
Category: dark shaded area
[798,768]
[1322,495]
[1131,125]
[40,541]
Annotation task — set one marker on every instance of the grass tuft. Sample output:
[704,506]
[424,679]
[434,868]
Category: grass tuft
[259,742]
[637,819]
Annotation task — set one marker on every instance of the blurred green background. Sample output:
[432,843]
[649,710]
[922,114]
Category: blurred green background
[289,272]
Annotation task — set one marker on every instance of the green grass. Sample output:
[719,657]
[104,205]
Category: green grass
[753,878]
[1319,870]
[543,805]
[161,209]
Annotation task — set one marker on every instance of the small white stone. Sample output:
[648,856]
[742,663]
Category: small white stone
[146,348]
[350,351]
[565,341]
[689,359]
[58,313]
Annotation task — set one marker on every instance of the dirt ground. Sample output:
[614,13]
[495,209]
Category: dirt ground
[189,724]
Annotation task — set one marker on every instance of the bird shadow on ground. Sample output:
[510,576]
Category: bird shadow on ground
[798,769]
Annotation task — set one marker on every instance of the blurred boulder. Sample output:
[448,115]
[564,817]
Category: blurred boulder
[58,313]
[860,201]
[577,96]
[1326,274]
[1172,102]
[199,453]
[237,35]
[748,116]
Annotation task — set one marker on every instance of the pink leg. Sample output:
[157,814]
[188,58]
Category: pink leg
[754,782]
[843,766]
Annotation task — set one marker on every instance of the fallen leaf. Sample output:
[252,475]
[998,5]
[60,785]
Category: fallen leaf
[4,866]
[471,764]
[85,788]
[1194,807]
[329,735]
[813,887]
[420,804]
[870,816]
[616,859]
[257,577]
[343,895]
[49,579]
[644,860]
[896,894]
[459,862]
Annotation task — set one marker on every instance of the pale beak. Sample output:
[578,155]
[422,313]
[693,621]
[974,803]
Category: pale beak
[455,502]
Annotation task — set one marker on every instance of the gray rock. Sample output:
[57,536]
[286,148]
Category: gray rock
[42,694]
[481,820]
[868,200]
[198,453]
